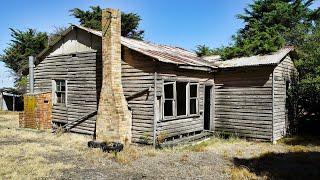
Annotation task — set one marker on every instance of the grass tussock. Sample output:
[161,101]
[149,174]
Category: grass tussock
[129,154]
[243,173]
[213,142]
[184,158]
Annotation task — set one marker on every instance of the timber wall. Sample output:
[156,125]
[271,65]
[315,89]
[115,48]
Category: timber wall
[82,73]
[182,125]
[137,76]
[243,102]
[283,73]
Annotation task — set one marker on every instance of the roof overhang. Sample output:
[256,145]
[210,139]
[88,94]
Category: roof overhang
[162,53]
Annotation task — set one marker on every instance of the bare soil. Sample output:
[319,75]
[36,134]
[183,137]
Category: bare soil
[33,154]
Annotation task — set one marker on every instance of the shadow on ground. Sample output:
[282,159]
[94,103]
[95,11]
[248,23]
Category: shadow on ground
[305,140]
[292,165]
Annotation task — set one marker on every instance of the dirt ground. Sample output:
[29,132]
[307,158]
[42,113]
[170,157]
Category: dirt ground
[32,154]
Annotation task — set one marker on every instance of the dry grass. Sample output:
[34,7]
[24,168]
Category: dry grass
[242,173]
[25,153]
[129,154]
[32,154]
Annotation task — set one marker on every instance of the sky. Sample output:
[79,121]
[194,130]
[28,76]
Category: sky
[183,23]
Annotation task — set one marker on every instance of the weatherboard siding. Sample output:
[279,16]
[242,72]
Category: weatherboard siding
[284,72]
[182,125]
[138,86]
[243,102]
[80,72]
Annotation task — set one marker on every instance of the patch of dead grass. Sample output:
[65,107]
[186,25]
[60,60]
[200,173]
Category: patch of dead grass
[151,152]
[243,173]
[28,160]
[184,158]
[27,154]
[129,154]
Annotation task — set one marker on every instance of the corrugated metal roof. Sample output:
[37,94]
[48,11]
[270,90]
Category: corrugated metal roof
[163,53]
[269,59]
[180,56]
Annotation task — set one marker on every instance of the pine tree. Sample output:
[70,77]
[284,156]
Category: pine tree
[92,19]
[23,45]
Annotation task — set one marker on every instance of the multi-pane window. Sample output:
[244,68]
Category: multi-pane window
[168,99]
[60,92]
[180,99]
[193,99]
[181,91]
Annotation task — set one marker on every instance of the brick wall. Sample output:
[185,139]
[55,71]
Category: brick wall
[37,111]
[114,118]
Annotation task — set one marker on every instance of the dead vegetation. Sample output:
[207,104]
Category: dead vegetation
[29,154]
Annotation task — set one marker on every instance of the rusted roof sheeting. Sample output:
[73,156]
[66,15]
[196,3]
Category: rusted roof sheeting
[163,53]
[179,56]
[269,59]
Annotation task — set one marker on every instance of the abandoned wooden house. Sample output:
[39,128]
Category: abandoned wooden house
[102,84]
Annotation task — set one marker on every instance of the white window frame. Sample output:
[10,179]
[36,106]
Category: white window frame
[196,98]
[54,92]
[174,99]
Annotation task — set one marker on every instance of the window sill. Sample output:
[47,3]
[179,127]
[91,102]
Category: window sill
[180,117]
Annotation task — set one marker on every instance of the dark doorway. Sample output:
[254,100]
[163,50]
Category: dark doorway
[207,107]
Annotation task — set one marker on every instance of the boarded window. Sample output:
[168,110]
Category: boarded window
[168,99]
[193,99]
[60,92]
[181,91]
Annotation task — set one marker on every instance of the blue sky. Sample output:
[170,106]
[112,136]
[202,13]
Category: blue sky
[184,23]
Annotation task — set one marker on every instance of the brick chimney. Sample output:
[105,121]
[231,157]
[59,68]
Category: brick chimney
[114,118]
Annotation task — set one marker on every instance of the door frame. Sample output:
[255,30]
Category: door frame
[211,117]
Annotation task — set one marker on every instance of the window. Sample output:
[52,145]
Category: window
[193,98]
[180,99]
[168,99]
[181,89]
[60,92]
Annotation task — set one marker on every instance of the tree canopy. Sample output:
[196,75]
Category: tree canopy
[270,25]
[23,45]
[92,19]
[203,50]
[31,42]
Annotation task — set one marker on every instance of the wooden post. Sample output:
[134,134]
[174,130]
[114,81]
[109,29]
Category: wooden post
[155,111]
[13,102]
[31,74]
[1,102]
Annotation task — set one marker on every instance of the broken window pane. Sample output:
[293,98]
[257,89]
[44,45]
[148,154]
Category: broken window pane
[168,91]
[193,106]
[168,111]
[181,90]
[168,99]
[63,88]
[60,91]
[193,98]
[193,90]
